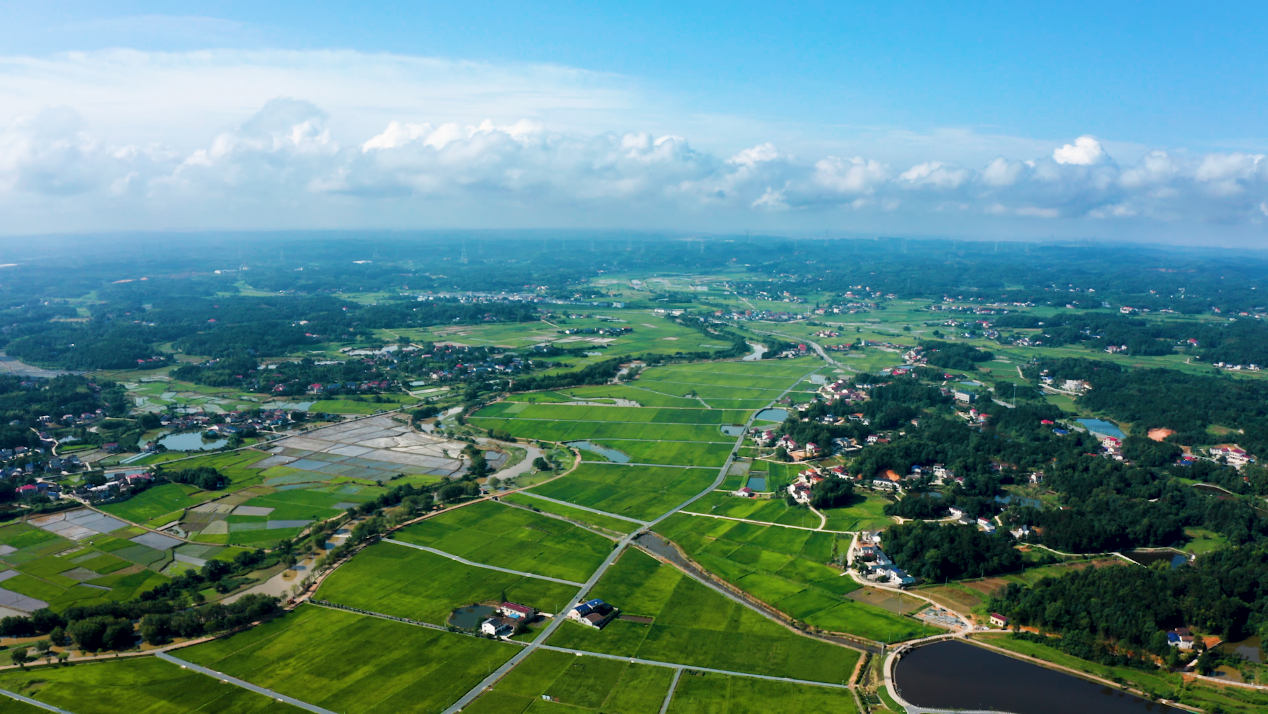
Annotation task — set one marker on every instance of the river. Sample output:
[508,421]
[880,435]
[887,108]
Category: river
[957,675]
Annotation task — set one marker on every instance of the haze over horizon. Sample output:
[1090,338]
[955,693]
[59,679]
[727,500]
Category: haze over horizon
[1080,120]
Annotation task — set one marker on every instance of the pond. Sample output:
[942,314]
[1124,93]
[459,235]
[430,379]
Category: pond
[956,675]
[191,441]
[293,406]
[758,351]
[1251,649]
[1210,490]
[470,617]
[757,483]
[772,415]
[732,430]
[1019,500]
[1102,427]
[610,454]
[1149,557]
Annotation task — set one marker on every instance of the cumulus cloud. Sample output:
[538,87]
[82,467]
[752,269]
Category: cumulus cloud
[294,159]
[1085,151]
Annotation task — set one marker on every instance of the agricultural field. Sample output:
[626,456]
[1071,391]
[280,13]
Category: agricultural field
[693,625]
[709,693]
[509,537]
[576,684]
[159,501]
[71,558]
[406,582]
[866,513]
[639,492]
[609,523]
[788,569]
[142,684]
[308,654]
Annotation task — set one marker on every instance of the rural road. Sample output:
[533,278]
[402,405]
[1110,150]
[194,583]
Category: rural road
[32,702]
[681,667]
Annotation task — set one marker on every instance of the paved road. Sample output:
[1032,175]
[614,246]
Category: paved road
[245,685]
[584,508]
[669,696]
[671,665]
[32,702]
[464,561]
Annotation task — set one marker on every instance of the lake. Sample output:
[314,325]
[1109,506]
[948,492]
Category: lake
[772,415]
[191,441]
[956,675]
[610,454]
[1100,426]
[758,351]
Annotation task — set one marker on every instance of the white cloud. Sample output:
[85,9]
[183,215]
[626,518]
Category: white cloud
[1085,151]
[234,139]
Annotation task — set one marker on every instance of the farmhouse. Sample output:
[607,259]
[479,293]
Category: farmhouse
[516,611]
[999,620]
[498,627]
[593,613]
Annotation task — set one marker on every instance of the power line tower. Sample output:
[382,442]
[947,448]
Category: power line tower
[464,252]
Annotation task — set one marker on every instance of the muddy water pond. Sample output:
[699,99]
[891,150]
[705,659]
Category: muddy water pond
[1149,557]
[956,675]
[470,617]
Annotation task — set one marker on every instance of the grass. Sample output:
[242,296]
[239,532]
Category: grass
[709,693]
[351,406]
[575,683]
[406,582]
[353,663]
[786,568]
[1203,541]
[629,415]
[605,522]
[1159,683]
[143,684]
[640,492]
[667,452]
[513,538]
[155,502]
[696,626]
[545,430]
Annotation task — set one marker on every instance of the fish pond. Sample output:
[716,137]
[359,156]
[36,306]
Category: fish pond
[957,675]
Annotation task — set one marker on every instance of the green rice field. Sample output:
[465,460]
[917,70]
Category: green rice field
[143,684]
[354,663]
[576,514]
[787,569]
[709,693]
[640,492]
[406,582]
[558,681]
[693,625]
[508,537]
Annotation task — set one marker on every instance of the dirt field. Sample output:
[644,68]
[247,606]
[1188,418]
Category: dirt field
[890,600]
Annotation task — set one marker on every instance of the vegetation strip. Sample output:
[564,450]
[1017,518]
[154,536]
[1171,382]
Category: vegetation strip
[669,696]
[245,685]
[33,702]
[481,565]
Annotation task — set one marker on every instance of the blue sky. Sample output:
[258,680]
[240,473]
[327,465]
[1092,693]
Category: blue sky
[918,118]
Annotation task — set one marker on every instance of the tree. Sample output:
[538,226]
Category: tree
[541,464]
[43,646]
[19,656]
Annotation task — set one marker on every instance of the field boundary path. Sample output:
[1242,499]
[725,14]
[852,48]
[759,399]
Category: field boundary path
[32,702]
[620,547]
[464,561]
[245,685]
